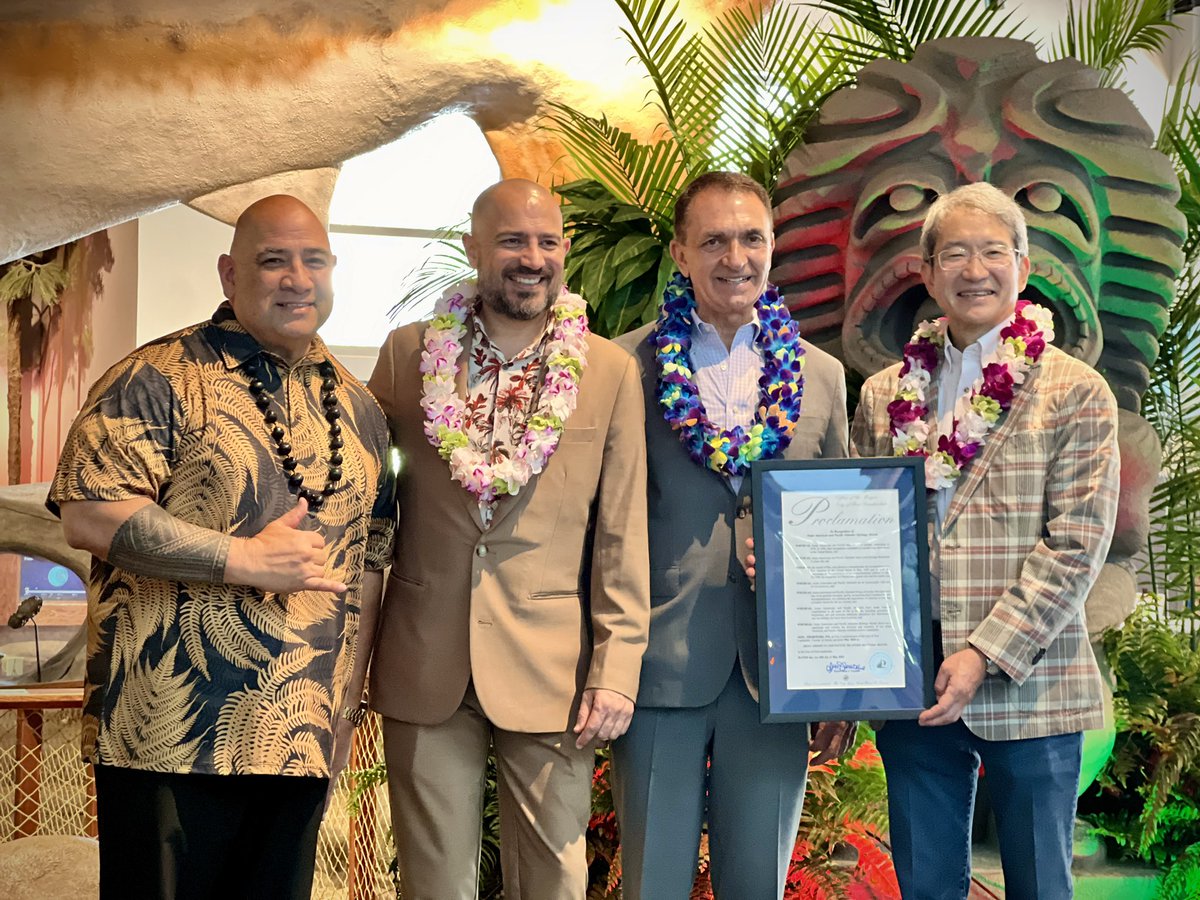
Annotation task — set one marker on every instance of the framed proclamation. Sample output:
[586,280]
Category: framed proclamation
[842,562]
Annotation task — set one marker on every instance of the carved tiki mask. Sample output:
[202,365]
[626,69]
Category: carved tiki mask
[1104,232]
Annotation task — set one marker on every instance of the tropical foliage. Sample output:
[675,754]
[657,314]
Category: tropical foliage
[1149,798]
[30,289]
[444,269]
[736,96]
[1105,34]
[42,283]
[893,29]
[1173,402]
[1182,880]
[845,816]
[363,783]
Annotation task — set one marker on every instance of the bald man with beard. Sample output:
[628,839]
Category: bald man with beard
[517,609]
[229,482]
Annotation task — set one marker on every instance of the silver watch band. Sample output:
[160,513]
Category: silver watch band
[355,714]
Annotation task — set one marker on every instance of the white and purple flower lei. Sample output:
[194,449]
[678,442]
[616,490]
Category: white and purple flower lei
[445,410]
[1022,343]
[781,386]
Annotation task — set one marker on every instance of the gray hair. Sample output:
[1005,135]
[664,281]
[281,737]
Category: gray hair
[985,198]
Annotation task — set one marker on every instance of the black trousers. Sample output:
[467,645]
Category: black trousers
[200,837]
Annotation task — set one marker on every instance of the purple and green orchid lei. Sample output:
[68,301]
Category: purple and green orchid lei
[781,385]
[1022,342]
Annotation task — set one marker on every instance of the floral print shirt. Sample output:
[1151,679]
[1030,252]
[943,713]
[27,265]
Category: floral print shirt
[501,395]
[188,677]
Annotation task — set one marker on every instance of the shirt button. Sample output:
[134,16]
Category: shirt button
[481,550]
[724,366]
[741,513]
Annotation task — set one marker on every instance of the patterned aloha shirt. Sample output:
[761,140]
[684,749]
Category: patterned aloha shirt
[189,677]
[500,396]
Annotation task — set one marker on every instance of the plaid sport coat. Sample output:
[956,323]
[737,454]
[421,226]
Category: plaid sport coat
[1022,543]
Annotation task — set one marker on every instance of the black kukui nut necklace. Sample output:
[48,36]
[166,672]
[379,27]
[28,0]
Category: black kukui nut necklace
[262,399]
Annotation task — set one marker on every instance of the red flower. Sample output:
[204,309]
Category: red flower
[998,384]
[904,411]
[924,352]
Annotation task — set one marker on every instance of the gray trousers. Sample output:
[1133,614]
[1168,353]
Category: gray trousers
[755,790]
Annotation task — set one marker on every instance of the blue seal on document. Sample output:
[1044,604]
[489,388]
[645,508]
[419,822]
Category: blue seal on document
[880,663]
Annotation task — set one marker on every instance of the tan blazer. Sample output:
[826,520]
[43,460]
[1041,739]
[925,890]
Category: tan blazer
[1022,542]
[550,599]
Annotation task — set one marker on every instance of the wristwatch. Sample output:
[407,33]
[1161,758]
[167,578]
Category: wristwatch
[355,714]
[989,665]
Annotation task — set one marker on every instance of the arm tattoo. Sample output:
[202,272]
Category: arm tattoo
[153,542]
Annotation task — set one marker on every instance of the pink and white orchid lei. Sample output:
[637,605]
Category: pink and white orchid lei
[1022,342]
[446,411]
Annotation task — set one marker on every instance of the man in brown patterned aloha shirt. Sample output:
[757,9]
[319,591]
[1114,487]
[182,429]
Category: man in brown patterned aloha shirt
[230,482]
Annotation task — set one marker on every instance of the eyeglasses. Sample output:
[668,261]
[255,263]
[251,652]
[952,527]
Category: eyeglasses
[955,258]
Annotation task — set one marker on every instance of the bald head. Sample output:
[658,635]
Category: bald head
[509,194]
[278,274]
[271,213]
[516,244]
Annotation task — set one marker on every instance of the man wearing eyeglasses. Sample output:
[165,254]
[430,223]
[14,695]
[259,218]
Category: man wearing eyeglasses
[1020,442]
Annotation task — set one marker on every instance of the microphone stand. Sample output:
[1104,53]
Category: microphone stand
[37,650]
[25,613]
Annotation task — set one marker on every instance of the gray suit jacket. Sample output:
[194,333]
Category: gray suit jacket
[703,617]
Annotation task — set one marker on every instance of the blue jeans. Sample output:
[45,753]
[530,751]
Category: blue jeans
[931,776]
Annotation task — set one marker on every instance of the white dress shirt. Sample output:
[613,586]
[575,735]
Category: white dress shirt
[956,378]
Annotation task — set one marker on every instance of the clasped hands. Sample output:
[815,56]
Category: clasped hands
[604,715]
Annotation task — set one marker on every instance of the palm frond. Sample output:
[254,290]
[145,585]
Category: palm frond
[43,283]
[659,38]
[1104,34]
[892,29]
[774,71]
[1172,403]
[441,271]
[1180,104]
[737,96]
[646,176]
[866,29]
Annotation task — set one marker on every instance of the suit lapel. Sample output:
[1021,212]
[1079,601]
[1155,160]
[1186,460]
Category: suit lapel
[931,403]
[885,447]
[975,470]
[506,502]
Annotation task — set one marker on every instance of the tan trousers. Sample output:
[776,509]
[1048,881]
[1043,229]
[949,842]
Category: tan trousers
[435,782]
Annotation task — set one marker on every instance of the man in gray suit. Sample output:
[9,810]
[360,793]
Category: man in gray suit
[723,371]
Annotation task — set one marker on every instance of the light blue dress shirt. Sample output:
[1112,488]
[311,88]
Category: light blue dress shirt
[727,378]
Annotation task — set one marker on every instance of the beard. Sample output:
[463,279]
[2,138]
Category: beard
[515,302]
